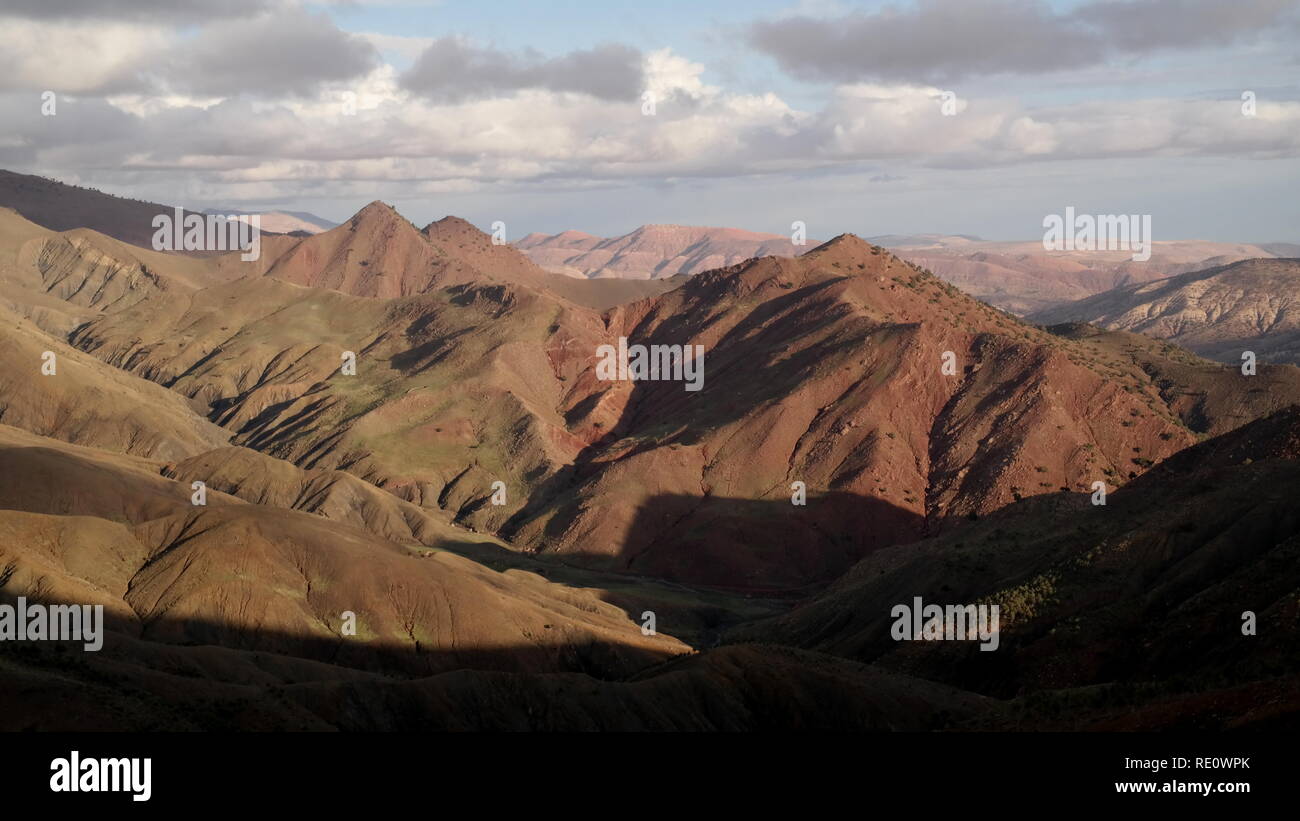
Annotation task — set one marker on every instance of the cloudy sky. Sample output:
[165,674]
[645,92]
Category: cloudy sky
[764,111]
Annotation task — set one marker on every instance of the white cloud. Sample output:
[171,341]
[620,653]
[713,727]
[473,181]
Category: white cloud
[671,75]
[537,135]
[75,57]
[302,137]
[282,52]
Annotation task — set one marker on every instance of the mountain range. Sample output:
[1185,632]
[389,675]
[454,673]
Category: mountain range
[654,251]
[1220,313]
[1019,277]
[499,520]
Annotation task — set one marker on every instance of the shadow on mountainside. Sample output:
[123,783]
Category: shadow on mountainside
[271,681]
[756,546]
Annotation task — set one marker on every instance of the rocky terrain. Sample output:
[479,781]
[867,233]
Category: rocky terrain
[500,521]
[1219,313]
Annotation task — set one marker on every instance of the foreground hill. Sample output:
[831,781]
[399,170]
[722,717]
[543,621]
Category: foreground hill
[232,616]
[83,525]
[1129,623]
[1219,312]
[135,685]
[1140,600]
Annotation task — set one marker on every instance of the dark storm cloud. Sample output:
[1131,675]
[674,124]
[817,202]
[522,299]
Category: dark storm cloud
[943,40]
[135,11]
[451,69]
[1159,24]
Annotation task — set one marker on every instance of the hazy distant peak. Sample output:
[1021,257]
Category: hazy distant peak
[280,222]
[654,251]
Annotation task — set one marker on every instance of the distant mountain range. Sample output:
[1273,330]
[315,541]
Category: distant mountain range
[281,222]
[1016,276]
[1023,278]
[1219,313]
[654,251]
